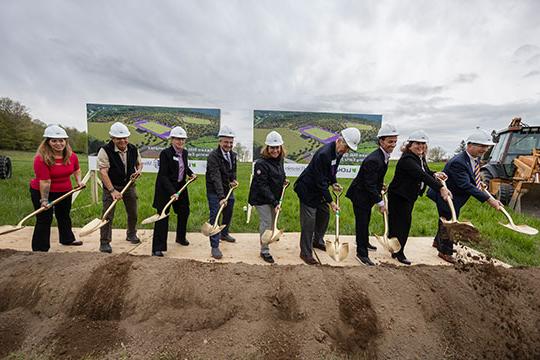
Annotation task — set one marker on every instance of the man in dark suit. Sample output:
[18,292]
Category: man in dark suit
[220,174]
[464,180]
[312,190]
[172,175]
[365,190]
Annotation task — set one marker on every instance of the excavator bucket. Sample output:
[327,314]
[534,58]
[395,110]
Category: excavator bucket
[528,199]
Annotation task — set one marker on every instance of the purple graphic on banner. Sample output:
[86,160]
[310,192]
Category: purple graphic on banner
[318,133]
[154,128]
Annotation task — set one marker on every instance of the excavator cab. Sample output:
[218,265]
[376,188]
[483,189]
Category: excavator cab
[512,167]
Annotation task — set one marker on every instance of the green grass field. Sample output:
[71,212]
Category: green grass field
[101,131]
[504,244]
[196,121]
[155,127]
[320,133]
[359,126]
[291,138]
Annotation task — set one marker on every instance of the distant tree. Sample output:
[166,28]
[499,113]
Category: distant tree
[242,152]
[461,147]
[436,153]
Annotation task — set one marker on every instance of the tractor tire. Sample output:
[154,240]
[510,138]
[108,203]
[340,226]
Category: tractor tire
[505,192]
[486,177]
[5,167]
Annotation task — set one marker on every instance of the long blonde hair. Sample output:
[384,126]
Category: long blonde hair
[47,154]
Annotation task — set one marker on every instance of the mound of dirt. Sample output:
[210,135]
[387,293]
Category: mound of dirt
[92,305]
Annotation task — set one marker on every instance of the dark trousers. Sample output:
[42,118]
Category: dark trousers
[399,219]
[444,244]
[129,198]
[41,238]
[313,223]
[161,227]
[227,213]
[362,217]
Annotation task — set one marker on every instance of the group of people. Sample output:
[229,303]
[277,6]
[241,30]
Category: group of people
[119,161]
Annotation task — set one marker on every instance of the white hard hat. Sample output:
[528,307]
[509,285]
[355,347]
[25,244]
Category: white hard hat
[273,139]
[119,130]
[418,136]
[352,137]
[481,137]
[55,132]
[387,130]
[226,131]
[178,132]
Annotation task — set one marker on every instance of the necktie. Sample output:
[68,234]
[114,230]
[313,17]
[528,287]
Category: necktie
[180,166]
[228,157]
[477,177]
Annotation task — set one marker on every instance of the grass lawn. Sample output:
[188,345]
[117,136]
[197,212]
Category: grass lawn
[291,138]
[101,132]
[320,133]
[504,244]
[155,127]
[196,121]
[359,126]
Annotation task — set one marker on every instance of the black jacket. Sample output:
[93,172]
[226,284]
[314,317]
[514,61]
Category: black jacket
[267,184]
[117,172]
[167,177]
[218,173]
[409,176]
[312,184]
[366,187]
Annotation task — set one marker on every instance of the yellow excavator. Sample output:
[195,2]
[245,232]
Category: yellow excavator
[512,167]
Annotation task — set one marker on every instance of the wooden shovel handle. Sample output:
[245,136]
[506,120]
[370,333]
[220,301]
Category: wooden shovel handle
[285,185]
[502,209]
[223,206]
[132,179]
[337,195]
[192,179]
[52,203]
[450,203]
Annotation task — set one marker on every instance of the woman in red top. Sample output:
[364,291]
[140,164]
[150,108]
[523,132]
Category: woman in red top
[54,164]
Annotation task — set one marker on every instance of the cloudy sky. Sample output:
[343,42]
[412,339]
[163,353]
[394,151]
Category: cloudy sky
[442,66]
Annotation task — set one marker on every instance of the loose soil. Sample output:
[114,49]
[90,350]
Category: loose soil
[94,306]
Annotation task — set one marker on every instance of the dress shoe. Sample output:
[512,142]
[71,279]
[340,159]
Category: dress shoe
[183,242]
[435,244]
[309,260]
[157,253]
[319,246]
[371,247]
[268,258]
[74,243]
[105,247]
[216,253]
[134,240]
[365,260]
[401,258]
[447,258]
[228,238]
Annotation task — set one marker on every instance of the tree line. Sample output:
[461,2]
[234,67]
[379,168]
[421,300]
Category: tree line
[21,132]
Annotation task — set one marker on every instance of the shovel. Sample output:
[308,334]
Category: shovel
[524,229]
[454,223]
[208,229]
[269,236]
[390,244]
[10,228]
[336,250]
[249,208]
[98,223]
[164,214]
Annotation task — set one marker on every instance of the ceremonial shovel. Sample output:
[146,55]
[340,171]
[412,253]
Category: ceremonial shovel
[10,228]
[390,244]
[98,223]
[454,223]
[269,236]
[524,229]
[164,214]
[336,250]
[208,229]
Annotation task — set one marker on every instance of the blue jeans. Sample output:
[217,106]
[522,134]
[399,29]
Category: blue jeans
[227,213]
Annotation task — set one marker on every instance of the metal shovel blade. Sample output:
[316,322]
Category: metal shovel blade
[277,236]
[343,251]
[92,226]
[6,229]
[337,251]
[266,237]
[456,224]
[331,249]
[154,218]
[524,229]
[208,229]
[394,245]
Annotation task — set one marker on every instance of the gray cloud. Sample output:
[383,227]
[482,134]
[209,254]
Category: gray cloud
[466,78]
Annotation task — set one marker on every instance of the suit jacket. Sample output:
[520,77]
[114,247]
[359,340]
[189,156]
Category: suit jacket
[365,189]
[167,177]
[312,184]
[218,173]
[461,182]
[409,177]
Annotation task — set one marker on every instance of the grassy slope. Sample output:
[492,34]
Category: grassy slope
[504,244]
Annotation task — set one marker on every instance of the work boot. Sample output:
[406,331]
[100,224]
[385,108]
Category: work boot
[216,253]
[105,247]
[134,240]
[228,238]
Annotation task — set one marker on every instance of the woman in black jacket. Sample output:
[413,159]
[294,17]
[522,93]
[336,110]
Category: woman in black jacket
[410,180]
[267,185]
[172,175]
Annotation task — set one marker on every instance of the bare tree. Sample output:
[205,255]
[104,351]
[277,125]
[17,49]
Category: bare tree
[436,153]
[461,147]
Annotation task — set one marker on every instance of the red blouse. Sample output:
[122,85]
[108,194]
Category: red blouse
[59,174]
